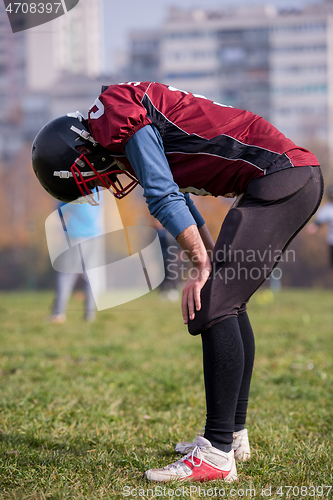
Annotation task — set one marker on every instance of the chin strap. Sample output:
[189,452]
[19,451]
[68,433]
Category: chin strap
[65,174]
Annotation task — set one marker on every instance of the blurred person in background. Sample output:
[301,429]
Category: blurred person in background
[324,216]
[79,221]
[171,252]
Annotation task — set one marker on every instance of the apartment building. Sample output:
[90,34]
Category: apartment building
[276,63]
[72,43]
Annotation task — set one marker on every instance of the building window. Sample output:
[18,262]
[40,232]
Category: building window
[305,89]
[300,48]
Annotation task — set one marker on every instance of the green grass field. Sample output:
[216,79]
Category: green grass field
[85,409]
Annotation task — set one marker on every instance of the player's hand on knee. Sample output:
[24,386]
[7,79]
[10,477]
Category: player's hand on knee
[191,298]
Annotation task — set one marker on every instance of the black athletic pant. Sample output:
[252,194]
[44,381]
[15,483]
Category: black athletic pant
[252,239]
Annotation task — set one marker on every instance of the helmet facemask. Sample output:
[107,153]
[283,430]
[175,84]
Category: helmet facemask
[108,179]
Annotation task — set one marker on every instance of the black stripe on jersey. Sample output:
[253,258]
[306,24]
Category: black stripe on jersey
[176,140]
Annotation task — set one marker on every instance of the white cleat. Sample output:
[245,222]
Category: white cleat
[240,445]
[203,463]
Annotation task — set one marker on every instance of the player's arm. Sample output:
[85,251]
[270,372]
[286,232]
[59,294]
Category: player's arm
[146,154]
[165,202]
[203,229]
[207,239]
[191,241]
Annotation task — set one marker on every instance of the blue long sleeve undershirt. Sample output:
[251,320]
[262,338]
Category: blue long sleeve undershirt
[174,210]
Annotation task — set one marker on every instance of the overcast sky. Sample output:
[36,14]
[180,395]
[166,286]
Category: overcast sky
[122,16]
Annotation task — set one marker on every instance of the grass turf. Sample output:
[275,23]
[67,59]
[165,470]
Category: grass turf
[85,409]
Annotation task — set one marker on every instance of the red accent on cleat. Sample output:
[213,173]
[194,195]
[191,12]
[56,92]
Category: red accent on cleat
[204,472]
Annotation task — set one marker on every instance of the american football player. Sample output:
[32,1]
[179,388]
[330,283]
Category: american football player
[174,143]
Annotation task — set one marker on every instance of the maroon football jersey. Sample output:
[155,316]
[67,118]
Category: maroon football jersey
[211,148]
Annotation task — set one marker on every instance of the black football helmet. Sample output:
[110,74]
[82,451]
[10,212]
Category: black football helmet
[64,172]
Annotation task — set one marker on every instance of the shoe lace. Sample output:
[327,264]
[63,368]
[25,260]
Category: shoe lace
[190,456]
